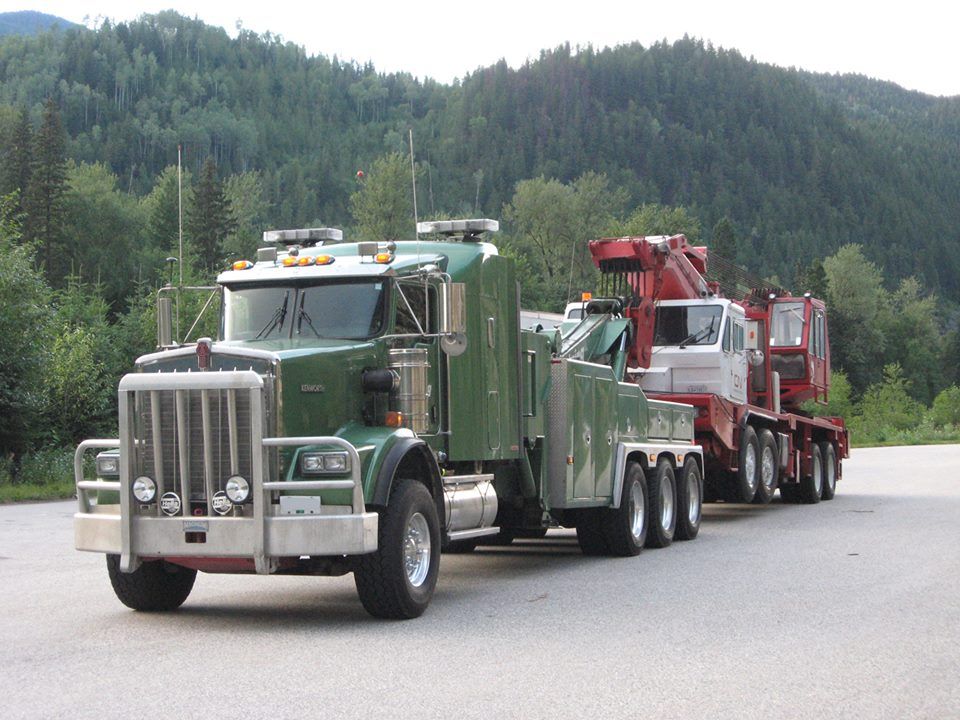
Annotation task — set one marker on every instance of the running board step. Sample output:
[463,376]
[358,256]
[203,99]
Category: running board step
[470,534]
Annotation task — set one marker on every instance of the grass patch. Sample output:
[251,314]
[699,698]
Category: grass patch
[26,492]
[45,474]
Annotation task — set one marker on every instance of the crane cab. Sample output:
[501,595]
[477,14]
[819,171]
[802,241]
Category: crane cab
[799,349]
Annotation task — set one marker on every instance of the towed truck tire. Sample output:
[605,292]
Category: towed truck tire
[397,581]
[155,586]
[811,486]
[743,483]
[689,501]
[768,469]
[828,456]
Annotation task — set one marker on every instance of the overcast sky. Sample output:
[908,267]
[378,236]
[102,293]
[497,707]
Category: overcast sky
[914,44]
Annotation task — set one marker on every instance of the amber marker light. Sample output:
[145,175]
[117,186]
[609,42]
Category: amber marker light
[324,259]
[586,296]
[383,258]
[242,265]
[304,261]
[289,261]
[394,419]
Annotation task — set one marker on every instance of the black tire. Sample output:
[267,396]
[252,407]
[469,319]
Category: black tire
[661,505]
[155,586]
[768,468]
[590,534]
[625,528]
[744,484]
[812,485]
[408,527]
[689,500]
[829,457]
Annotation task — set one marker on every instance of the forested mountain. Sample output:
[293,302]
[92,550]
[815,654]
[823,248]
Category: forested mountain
[801,163]
[29,22]
[840,185]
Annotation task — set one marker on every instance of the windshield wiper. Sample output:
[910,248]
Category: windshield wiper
[699,334]
[302,315]
[276,320]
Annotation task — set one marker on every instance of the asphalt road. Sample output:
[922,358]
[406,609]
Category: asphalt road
[846,609]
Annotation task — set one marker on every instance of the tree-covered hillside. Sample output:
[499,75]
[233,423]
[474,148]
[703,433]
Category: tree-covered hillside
[801,164]
[30,22]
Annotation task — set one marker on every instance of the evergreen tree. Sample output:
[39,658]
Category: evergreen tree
[210,219]
[724,241]
[383,206]
[43,201]
[17,160]
[812,279]
[163,208]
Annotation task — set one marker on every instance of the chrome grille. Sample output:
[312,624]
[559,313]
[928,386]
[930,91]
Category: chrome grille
[192,441]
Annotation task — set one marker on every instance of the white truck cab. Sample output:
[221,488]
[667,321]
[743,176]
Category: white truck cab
[698,349]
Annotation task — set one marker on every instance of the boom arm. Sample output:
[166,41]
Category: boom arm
[657,268]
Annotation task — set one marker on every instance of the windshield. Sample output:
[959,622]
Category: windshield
[687,325]
[786,324]
[348,310]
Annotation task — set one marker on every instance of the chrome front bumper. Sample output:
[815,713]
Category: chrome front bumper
[265,537]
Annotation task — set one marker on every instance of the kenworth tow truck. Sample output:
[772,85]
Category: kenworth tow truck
[366,405]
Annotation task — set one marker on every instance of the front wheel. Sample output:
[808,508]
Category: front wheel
[397,581]
[689,501]
[154,586]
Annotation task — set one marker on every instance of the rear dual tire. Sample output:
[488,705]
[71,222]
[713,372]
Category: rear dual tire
[620,531]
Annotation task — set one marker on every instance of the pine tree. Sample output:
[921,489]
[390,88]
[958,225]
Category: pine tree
[724,241]
[43,200]
[16,167]
[210,218]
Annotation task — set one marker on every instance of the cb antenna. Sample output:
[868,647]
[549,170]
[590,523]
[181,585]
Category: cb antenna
[413,181]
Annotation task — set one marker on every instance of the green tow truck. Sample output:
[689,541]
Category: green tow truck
[367,405]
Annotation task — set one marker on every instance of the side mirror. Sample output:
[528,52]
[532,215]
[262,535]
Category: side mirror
[453,318]
[751,339]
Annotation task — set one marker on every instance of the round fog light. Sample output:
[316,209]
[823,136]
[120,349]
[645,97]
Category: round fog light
[144,489]
[237,489]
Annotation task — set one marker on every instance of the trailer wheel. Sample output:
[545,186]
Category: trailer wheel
[812,485]
[743,484]
[154,586]
[397,581]
[662,514]
[626,528]
[590,535]
[829,457]
[689,501]
[769,468]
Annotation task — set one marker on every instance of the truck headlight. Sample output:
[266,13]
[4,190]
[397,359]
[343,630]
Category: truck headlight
[322,463]
[237,489]
[108,465]
[144,489]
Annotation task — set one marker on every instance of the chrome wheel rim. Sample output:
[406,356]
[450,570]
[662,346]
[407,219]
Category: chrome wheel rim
[831,475]
[767,468]
[693,493]
[750,466]
[666,502]
[817,474]
[638,512]
[416,549]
